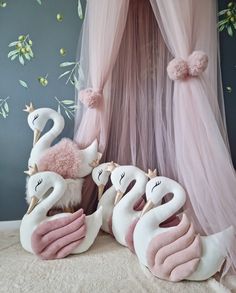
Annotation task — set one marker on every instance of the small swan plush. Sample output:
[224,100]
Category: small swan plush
[42,201]
[176,253]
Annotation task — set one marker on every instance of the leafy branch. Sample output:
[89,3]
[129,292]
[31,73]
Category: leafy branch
[22,50]
[4,108]
[228,19]
[70,73]
[68,106]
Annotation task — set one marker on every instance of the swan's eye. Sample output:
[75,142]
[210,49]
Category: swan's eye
[122,176]
[39,182]
[99,174]
[156,184]
[35,117]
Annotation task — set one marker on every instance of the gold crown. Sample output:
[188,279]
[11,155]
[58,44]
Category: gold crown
[111,166]
[96,162]
[151,174]
[32,170]
[29,108]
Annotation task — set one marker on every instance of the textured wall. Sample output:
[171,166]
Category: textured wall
[24,17]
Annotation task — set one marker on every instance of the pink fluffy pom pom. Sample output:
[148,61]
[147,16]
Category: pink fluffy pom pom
[197,63]
[90,98]
[62,158]
[177,69]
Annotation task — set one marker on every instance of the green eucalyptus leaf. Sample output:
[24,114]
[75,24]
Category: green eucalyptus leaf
[80,10]
[63,74]
[67,114]
[6,107]
[14,57]
[27,56]
[222,12]
[11,53]
[67,102]
[64,64]
[23,83]
[21,59]
[230,30]
[3,113]
[13,44]
[222,22]
[221,28]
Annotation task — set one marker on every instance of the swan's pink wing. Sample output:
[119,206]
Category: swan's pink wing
[129,235]
[174,255]
[58,238]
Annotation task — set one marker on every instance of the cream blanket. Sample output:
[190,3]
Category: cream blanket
[106,267]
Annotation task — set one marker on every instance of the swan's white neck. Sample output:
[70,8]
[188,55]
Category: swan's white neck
[46,140]
[136,191]
[165,211]
[41,210]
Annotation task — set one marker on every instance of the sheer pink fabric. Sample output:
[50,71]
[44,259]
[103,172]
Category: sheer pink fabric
[151,121]
[203,162]
[102,33]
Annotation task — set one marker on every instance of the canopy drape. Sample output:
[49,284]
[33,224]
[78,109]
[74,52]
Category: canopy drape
[146,118]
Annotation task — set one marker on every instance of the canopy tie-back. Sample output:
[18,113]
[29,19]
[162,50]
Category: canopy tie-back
[195,64]
[91,98]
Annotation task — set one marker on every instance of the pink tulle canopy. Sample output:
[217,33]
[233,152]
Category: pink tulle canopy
[146,115]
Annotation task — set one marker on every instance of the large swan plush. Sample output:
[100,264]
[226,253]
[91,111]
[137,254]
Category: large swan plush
[126,212]
[64,158]
[41,202]
[175,253]
[101,176]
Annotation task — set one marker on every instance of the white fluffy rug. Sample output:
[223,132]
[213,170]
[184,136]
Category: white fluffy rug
[106,267]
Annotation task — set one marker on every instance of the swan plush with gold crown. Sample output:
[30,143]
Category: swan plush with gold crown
[127,207]
[175,253]
[64,158]
[101,176]
[42,201]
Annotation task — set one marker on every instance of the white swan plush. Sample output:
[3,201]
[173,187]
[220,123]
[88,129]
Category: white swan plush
[125,213]
[42,202]
[175,253]
[71,198]
[101,176]
[64,158]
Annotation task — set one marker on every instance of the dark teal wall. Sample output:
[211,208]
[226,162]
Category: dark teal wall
[228,66]
[48,36]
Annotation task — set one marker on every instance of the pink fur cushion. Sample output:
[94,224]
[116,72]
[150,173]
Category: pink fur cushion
[62,158]
[174,255]
[58,238]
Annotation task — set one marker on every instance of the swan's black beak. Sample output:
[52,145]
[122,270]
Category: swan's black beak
[148,206]
[32,205]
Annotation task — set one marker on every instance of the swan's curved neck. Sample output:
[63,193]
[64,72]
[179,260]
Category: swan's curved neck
[136,191]
[41,210]
[165,211]
[46,140]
